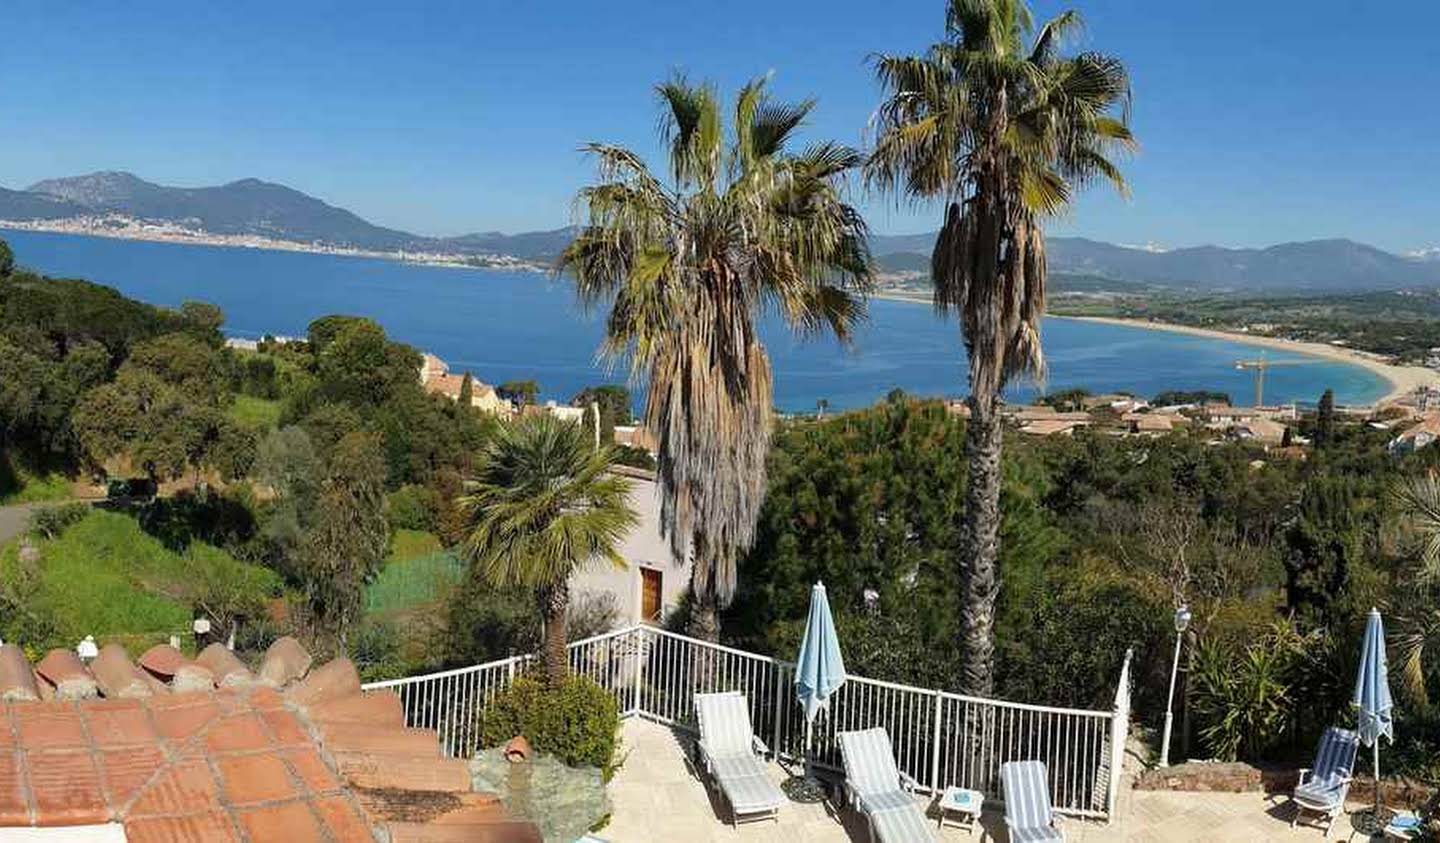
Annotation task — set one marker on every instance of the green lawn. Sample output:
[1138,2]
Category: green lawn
[105,577]
[418,571]
[412,583]
[256,413]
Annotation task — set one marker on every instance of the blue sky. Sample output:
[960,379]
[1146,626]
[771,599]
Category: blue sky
[1260,121]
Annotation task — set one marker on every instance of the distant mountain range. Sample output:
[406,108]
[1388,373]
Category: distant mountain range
[250,207]
[259,208]
[1310,266]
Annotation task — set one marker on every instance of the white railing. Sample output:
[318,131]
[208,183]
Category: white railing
[940,738]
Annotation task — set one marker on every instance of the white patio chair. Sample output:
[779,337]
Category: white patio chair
[1322,788]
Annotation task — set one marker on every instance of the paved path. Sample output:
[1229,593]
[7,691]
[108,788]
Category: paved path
[656,796]
[14,519]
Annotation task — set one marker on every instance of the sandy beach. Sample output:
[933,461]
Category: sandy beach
[1403,379]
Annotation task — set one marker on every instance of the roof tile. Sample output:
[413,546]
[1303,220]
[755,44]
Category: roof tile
[119,723]
[17,681]
[292,822]
[244,762]
[249,779]
[116,675]
[286,728]
[239,733]
[188,715]
[345,823]
[48,726]
[66,788]
[186,787]
[227,669]
[206,827]
[7,732]
[14,809]
[67,674]
[125,771]
[312,770]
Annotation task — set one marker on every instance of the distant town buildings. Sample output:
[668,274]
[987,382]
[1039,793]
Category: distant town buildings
[436,378]
[1417,435]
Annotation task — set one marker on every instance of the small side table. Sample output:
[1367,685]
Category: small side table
[960,807]
[1407,832]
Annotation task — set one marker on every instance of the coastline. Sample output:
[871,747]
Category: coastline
[188,237]
[1402,379]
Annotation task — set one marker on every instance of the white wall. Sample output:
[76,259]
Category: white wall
[643,548]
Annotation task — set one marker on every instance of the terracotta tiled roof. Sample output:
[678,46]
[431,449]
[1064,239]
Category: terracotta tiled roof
[179,750]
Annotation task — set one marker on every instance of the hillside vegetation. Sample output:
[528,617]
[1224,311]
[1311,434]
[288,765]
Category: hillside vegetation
[106,577]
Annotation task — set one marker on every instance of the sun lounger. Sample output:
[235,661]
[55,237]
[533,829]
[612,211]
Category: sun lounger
[731,754]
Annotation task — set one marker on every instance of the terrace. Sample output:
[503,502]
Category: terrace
[658,794]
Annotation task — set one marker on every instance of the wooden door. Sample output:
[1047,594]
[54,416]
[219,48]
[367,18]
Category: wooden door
[650,601]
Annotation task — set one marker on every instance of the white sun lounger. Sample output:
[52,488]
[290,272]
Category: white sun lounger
[731,754]
[879,790]
[1028,816]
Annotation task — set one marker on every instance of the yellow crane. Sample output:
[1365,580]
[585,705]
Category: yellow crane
[1260,365]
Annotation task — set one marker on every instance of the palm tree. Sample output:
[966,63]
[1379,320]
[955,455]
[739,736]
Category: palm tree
[687,263]
[1418,626]
[1004,128]
[544,505]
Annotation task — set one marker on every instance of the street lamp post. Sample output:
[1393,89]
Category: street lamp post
[1182,622]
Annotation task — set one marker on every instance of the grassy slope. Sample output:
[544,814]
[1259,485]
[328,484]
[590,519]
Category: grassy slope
[22,484]
[257,413]
[105,577]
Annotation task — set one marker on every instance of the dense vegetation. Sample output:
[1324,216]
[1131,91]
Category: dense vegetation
[1102,538]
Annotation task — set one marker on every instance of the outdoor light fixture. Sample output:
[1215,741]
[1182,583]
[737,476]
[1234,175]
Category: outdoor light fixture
[86,650]
[1182,623]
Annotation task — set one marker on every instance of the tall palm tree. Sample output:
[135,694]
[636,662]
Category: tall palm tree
[544,505]
[1418,625]
[1004,128]
[688,262]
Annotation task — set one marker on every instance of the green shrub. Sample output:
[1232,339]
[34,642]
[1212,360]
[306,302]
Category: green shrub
[50,521]
[412,507]
[1255,699]
[579,722]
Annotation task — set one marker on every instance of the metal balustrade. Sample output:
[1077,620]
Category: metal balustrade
[940,738]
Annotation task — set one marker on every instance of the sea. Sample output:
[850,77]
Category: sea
[506,325]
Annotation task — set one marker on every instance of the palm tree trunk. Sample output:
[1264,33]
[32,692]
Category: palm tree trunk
[554,603]
[979,548]
[704,622]
[704,616]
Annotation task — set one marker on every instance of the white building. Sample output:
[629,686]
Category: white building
[649,588]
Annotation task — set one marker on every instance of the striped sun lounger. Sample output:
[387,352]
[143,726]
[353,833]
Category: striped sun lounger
[879,790]
[730,752]
[1322,788]
[1027,803]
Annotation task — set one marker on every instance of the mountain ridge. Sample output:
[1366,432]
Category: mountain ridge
[254,207]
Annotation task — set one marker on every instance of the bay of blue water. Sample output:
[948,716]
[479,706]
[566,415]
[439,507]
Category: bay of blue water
[522,325]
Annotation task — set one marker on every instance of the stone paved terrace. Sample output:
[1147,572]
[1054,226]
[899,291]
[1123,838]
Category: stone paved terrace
[657,796]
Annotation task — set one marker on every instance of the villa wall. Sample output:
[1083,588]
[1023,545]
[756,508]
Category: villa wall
[643,548]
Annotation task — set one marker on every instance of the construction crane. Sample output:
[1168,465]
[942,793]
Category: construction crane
[1260,365]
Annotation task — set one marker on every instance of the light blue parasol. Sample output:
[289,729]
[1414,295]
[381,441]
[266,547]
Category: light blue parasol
[819,669]
[1372,694]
